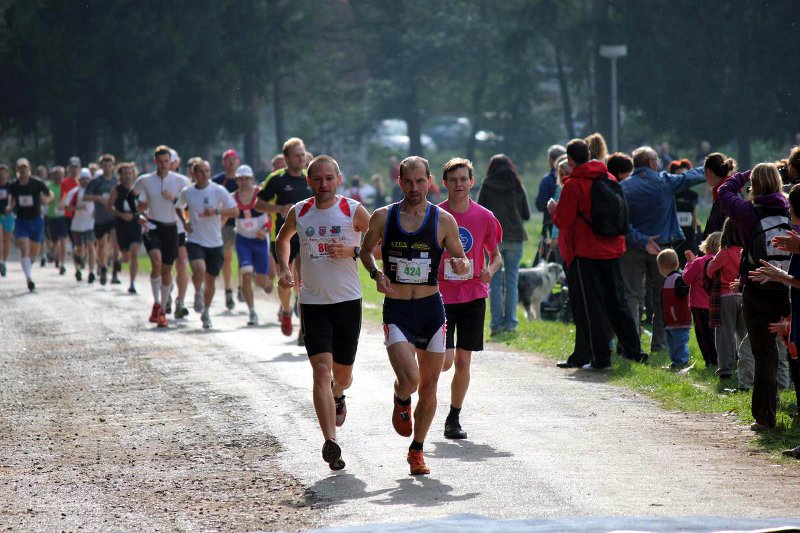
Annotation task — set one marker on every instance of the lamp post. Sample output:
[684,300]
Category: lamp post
[612,53]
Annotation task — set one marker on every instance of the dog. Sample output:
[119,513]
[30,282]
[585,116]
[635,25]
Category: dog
[535,285]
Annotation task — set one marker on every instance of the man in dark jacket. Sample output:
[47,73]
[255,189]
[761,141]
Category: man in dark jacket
[547,190]
[594,263]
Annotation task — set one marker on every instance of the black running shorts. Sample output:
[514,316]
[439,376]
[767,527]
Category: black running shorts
[468,319]
[212,257]
[128,233]
[332,328]
[163,237]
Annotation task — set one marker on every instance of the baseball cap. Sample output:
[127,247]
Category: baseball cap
[231,153]
[23,162]
[244,171]
[74,161]
[173,156]
[85,173]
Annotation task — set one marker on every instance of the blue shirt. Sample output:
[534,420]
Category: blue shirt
[651,204]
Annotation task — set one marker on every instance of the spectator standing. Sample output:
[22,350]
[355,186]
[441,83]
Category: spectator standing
[677,314]
[694,276]
[654,225]
[686,206]
[598,149]
[547,190]
[620,166]
[716,168]
[761,304]
[503,194]
[594,261]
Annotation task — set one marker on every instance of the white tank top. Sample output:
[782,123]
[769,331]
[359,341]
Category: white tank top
[326,280]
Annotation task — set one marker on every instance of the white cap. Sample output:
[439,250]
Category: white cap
[85,173]
[98,173]
[173,156]
[74,161]
[244,171]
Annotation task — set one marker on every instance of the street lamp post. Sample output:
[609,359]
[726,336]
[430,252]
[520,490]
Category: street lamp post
[612,53]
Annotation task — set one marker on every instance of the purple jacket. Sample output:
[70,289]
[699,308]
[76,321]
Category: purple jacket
[743,212]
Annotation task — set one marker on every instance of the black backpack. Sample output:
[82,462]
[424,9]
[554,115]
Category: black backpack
[771,222]
[609,209]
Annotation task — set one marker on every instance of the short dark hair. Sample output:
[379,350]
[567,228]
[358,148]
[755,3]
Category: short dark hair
[161,150]
[578,151]
[456,163]
[619,163]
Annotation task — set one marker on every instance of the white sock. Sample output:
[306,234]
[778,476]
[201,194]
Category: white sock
[155,285]
[26,266]
[165,290]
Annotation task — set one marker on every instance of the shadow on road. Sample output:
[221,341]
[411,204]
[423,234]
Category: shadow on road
[339,488]
[423,491]
[288,357]
[467,451]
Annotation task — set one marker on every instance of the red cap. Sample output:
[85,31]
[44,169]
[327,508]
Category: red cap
[230,153]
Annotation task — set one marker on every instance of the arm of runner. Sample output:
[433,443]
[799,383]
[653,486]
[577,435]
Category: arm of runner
[495,262]
[282,250]
[452,243]
[229,208]
[372,240]
[339,250]
[12,200]
[47,195]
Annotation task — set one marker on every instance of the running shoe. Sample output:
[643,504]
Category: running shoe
[91,277]
[154,314]
[239,295]
[115,279]
[162,320]
[117,266]
[131,290]
[168,309]
[180,310]
[229,303]
[31,285]
[417,463]
[206,320]
[452,429]
[401,418]
[198,302]
[43,262]
[103,275]
[62,270]
[332,454]
[78,276]
[3,269]
[253,320]
[341,409]
[286,323]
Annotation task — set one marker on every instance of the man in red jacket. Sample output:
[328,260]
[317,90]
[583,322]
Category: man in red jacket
[596,263]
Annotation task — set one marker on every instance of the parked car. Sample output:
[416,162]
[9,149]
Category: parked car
[392,133]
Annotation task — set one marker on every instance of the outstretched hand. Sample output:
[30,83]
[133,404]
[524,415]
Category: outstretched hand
[789,242]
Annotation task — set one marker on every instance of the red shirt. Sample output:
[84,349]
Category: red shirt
[67,184]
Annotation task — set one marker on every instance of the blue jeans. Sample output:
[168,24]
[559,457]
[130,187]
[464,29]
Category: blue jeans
[503,288]
[678,341]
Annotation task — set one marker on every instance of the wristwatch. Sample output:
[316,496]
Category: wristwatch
[373,273]
[356,252]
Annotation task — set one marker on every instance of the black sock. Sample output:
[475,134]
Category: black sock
[402,402]
[454,412]
[415,446]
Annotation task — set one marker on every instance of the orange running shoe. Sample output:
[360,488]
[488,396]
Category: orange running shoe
[162,319]
[286,323]
[401,418]
[154,313]
[417,463]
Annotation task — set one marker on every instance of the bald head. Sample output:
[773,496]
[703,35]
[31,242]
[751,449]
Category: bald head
[645,156]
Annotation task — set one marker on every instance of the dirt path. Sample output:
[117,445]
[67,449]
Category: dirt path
[108,423]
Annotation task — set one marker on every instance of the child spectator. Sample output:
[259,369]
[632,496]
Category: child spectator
[732,329]
[694,275]
[675,306]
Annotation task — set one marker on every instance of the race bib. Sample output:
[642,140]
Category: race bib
[413,270]
[248,223]
[684,218]
[59,211]
[318,248]
[25,200]
[3,194]
[450,275]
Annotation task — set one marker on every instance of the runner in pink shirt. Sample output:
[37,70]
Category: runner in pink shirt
[465,295]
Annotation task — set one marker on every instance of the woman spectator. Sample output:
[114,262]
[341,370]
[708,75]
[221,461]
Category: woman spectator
[597,147]
[694,276]
[686,207]
[620,165]
[502,193]
[717,167]
[761,306]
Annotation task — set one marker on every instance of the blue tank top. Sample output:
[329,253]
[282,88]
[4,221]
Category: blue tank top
[412,258]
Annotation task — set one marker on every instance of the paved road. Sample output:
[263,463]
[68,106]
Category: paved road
[544,443]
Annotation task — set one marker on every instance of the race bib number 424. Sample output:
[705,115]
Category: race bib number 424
[413,270]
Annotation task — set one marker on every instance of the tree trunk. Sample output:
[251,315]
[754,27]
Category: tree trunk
[414,123]
[477,115]
[277,111]
[252,149]
[602,69]
[566,101]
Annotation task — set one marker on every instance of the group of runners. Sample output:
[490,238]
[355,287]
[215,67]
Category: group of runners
[437,261]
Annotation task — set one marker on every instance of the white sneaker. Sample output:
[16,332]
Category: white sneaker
[206,320]
[253,318]
[198,302]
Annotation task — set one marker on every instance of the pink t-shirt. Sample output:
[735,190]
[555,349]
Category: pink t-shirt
[479,231]
[726,262]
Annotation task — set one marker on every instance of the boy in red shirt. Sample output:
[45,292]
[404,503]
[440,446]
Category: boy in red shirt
[675,304]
